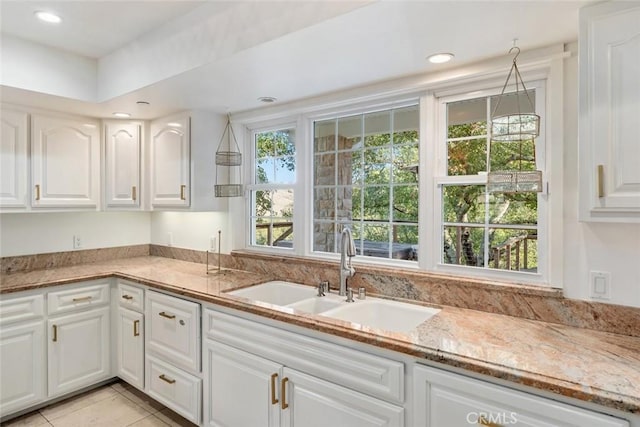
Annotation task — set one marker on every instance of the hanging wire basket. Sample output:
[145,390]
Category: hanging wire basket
[514,181]
[519,126]
[228,165]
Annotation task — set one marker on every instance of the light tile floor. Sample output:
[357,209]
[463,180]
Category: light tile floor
[114,405]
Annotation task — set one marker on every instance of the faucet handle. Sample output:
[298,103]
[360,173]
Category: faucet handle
[323,287]
[349,295]
[362,293]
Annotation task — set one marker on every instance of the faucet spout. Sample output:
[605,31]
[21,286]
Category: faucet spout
[347,251]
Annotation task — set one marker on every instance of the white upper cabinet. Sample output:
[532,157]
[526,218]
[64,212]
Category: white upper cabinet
[123,150]
[13,159]
[65,162]
[170,166]
[609,112]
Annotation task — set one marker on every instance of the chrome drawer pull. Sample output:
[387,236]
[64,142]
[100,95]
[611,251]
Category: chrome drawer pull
[82,299]
[165,379]
[168,316]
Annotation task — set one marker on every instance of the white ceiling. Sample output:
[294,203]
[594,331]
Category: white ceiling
[356,46]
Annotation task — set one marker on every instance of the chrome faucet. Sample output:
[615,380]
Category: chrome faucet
[347,249]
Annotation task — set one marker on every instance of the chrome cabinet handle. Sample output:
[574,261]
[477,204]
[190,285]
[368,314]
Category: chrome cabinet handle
[183,188]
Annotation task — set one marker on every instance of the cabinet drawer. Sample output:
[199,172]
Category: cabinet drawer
[446,399]
[358,370]
[174,388]
[130,297]
[21,308]
[90,295]
[173,330]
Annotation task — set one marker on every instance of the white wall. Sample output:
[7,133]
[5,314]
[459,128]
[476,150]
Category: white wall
[44,232]
[613,248]
[190,230]
[66,74]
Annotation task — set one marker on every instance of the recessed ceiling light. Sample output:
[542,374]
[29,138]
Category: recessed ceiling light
[174,125]
[267,99]
[49,17]
[440,58]
[121,115]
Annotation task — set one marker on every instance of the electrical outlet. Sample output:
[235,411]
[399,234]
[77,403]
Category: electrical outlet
[170,238]
[212,243]
[77,242]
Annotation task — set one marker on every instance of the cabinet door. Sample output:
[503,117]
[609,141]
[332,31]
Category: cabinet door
[233,379]
[445,399]
[78,350]
[130,347]
[609,111]
[65,162]
[170,162]
[311,402]
[22,367]
[122,176]
[13,159]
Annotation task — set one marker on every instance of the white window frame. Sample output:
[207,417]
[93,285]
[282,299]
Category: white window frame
[250,147]
[440,178]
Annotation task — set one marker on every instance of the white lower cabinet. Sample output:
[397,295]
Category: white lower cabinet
[275,394]
[130,346]
[444,399]
[22,366]
[78,348]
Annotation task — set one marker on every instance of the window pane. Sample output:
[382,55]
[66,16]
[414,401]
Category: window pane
[275,161]
[513,156]
[345,204]
[356,203]
[282,234]
[513,249]
[376,203]
[325,136]
[282,203]
[513,208]
[350,133]
[262,203]
[405,164]
[463,246]
[325,169]
[323,236]
[405,242]
[377,129]
[261,227]
[467,118]
[324,203]
[405,203]
[464,203]
[375,240]
[349,164]
[377,166]
[466,157]
[406,122]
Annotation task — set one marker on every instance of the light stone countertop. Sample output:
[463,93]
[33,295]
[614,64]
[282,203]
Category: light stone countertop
[598,367]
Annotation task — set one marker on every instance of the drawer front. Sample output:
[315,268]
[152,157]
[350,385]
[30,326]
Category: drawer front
[130,297]
[446,399]
[90,295]
[21,308]
[361,371]
[173,330]
[174,388]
